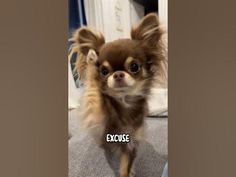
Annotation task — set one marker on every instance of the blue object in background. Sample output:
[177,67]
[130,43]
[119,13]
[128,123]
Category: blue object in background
[77,19]
[77,16]
[73,16]
[165,171]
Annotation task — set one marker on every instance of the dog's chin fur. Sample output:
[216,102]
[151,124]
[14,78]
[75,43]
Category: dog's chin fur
[122,93]
[117,92]
[138,89]
[118,110]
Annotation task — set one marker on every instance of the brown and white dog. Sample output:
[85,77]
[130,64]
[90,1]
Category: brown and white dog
[118,76]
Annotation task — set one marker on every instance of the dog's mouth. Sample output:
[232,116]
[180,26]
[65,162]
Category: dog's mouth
[121,88]
[120,84]
[120,91]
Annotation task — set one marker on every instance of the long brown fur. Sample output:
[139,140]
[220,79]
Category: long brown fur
[105,110]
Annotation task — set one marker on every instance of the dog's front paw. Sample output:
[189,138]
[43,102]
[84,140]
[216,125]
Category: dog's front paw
[128,175]
[92,57]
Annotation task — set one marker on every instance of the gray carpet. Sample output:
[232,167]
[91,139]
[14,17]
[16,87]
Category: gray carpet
[86,159]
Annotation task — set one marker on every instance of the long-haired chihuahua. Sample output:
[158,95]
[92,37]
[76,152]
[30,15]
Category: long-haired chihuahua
[118,76]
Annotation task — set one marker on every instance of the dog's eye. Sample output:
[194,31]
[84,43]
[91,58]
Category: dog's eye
[104,71]
[134,68]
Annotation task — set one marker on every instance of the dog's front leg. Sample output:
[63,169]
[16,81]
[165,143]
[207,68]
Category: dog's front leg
[126,161]
[92,105]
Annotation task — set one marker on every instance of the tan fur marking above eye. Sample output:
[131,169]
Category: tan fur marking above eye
[106,64]
[128,61]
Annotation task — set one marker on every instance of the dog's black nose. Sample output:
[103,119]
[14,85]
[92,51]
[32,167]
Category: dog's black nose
[118,75]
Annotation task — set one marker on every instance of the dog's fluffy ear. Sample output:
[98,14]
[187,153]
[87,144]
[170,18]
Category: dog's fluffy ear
[148,30]
[84,40]
[149,33]
[88,39]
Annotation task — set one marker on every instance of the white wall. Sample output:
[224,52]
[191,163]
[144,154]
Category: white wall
[163,12]
[102,15]
[113,17]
